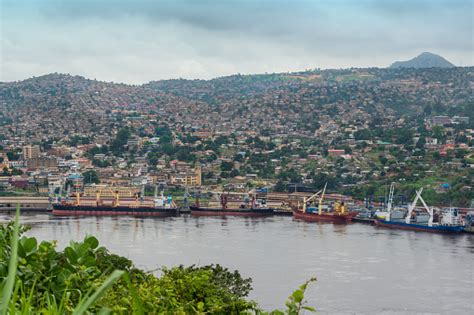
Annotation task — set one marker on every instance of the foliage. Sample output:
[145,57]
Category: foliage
[118,144]
[87,278]
[91,177]
[22,284]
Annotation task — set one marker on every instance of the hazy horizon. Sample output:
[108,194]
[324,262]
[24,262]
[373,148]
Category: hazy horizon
[136,42]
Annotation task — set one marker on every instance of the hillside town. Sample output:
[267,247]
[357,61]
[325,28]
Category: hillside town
[357,130]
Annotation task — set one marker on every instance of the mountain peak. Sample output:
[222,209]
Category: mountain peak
[424,60]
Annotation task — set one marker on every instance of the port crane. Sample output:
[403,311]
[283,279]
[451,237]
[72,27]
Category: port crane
[311,198]
[413,205]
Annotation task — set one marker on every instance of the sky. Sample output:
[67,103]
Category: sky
[142,40]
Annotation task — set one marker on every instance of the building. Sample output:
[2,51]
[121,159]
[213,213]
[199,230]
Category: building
[41,162]
[187,178]
[440,121]
[336,152]
[460,120]
[31,152]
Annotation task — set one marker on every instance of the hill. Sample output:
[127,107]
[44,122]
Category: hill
[56,105]
[424,60]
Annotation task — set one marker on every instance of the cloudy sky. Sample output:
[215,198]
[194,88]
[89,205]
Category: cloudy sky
[142,40]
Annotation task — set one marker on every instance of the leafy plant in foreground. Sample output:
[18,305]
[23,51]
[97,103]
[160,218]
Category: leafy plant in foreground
[35,278]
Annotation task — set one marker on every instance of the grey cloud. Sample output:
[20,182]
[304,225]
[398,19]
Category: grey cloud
[137,41]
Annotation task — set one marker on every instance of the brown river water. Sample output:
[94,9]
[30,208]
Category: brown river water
[361,269]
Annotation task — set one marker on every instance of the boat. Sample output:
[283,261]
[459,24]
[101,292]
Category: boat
[161,206]
[256,208]
[419,220]
[339,213]
[469,222]
[364,216]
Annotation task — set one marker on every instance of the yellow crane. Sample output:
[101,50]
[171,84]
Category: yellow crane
[97,197]
[78,198]
[117,199]
[306,200]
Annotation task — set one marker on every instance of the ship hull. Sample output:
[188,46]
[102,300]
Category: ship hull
[114,211]
[469,229]
[324,217]
[418,227]
[246,212]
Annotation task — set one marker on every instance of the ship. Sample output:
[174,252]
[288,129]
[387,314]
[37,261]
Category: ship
[368,216]
[339,213]
[161,206]
[469,222]
[364,216]
[257,207]
[449,220]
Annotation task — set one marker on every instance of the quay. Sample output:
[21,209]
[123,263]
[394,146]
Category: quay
[27,204]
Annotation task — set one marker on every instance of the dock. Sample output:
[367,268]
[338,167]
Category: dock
[27,204]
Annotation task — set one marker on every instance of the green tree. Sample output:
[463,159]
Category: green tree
[421,143]
[227,166]
[117,145]
[91,177]
[279,187]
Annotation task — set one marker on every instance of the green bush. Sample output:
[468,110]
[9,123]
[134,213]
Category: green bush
[36,278]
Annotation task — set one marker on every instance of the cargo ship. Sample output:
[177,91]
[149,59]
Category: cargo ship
[469,222]
[422,220]
[339,213]
[256,208]
[160,207]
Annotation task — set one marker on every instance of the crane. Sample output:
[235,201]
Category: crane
[320,203]
[306,200]
[97,197]
[390,197]
[413,205]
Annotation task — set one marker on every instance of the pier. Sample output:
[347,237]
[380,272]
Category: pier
[30,204]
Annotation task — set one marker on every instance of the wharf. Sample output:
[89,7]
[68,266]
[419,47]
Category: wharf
[27,204]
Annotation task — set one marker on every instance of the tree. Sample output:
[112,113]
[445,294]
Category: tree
[234,173]
[427,110]
[12,156]
[405,136]
[91,177]
[120,141]
[438,132]
[227,166]
[421,143]
[320,179]
[363,134]
[279,187]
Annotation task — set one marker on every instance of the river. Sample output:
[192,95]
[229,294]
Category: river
[361,269]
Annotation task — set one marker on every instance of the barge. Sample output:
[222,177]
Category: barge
[161,207]
[257,208]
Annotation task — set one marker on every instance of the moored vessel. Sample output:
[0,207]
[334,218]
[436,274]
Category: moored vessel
[449,219]
[339,213]
[160,206]
[469,222]
[256,208]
